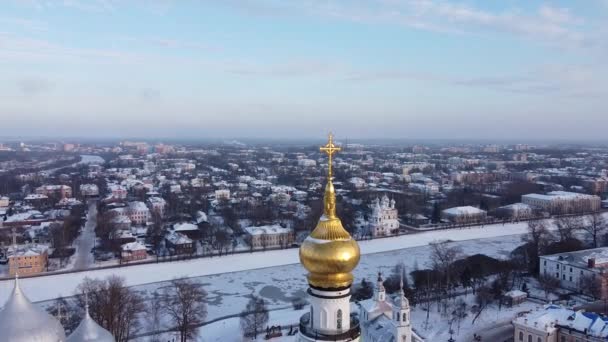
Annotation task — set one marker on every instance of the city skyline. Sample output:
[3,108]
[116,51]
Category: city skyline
[376,69]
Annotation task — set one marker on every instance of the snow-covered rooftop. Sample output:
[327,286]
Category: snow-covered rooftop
[270,229]
[553,317]
[466,210]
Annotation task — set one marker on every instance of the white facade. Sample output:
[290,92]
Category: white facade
[556,324]
[383,319]
[563,202]
[89,190]
[138,212]
[157,205]
[572,267]
[329,316]
[384,219]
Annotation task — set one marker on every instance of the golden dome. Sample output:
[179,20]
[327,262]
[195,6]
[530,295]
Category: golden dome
[329,253]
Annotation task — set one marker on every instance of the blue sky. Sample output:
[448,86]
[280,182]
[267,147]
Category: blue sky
[295,69]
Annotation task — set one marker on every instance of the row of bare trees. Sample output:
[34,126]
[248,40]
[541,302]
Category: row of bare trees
[564,238]
[121,310]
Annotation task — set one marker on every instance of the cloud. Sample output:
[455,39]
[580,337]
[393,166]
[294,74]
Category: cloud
[26,24]
[548,24]
[33,86]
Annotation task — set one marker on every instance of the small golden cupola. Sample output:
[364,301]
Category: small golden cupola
[329,253]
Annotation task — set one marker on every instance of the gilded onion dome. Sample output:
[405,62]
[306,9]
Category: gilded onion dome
[329,253]
[22,321]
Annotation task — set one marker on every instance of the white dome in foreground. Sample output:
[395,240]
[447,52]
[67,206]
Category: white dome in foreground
[89,331]
[22,321]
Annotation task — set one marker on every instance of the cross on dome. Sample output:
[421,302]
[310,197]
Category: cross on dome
[330,149]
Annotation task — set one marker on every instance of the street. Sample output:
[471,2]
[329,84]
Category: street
[86,240]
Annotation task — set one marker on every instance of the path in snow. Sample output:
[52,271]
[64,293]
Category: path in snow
[86,240]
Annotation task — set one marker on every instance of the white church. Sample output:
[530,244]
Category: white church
[386,320]
[384,218]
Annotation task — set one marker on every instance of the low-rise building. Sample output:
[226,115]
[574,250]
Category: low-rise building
[4,201]
[27,259]
[180,243]
[466,214]
[89,190]
[514,297]
[563,202]
[515,211]
[55,190]
[133,251]
[269,236]
[117,191]
[157,205]
[222,194]
[558,324]
[580,271]
[138,212]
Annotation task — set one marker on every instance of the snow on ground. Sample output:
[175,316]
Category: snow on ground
[228,293]
[491,324]
[52,286]
[229,330]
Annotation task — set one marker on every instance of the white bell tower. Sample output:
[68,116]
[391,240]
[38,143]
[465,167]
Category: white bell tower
[401,317]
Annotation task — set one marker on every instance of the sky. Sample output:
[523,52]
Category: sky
[408,69]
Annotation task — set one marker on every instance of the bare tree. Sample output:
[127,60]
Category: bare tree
[184,302]
[591,286]
[460,312]
[113,305]
[442,256]
[566,226]
[155,313]
[483,298]
[254,317]
[595,227]
[548,283]
[538,236]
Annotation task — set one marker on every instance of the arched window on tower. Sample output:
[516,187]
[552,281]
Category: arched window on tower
[404,317]
[339,320]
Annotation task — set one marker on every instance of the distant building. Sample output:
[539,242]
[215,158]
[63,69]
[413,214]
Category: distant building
[55,190]
[27,259]
[558,324]
[180,243]
[579,271]
[68,147]
[222,194]
[157,205]
[269,236]
[133,251]
[307,163]
[515,211]
[89,190]
[117,191]
[563,202]
[514,297]
[138,212]
[4,201]
[466,214]
[384,218]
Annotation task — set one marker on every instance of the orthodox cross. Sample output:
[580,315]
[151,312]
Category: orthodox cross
[330,149]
